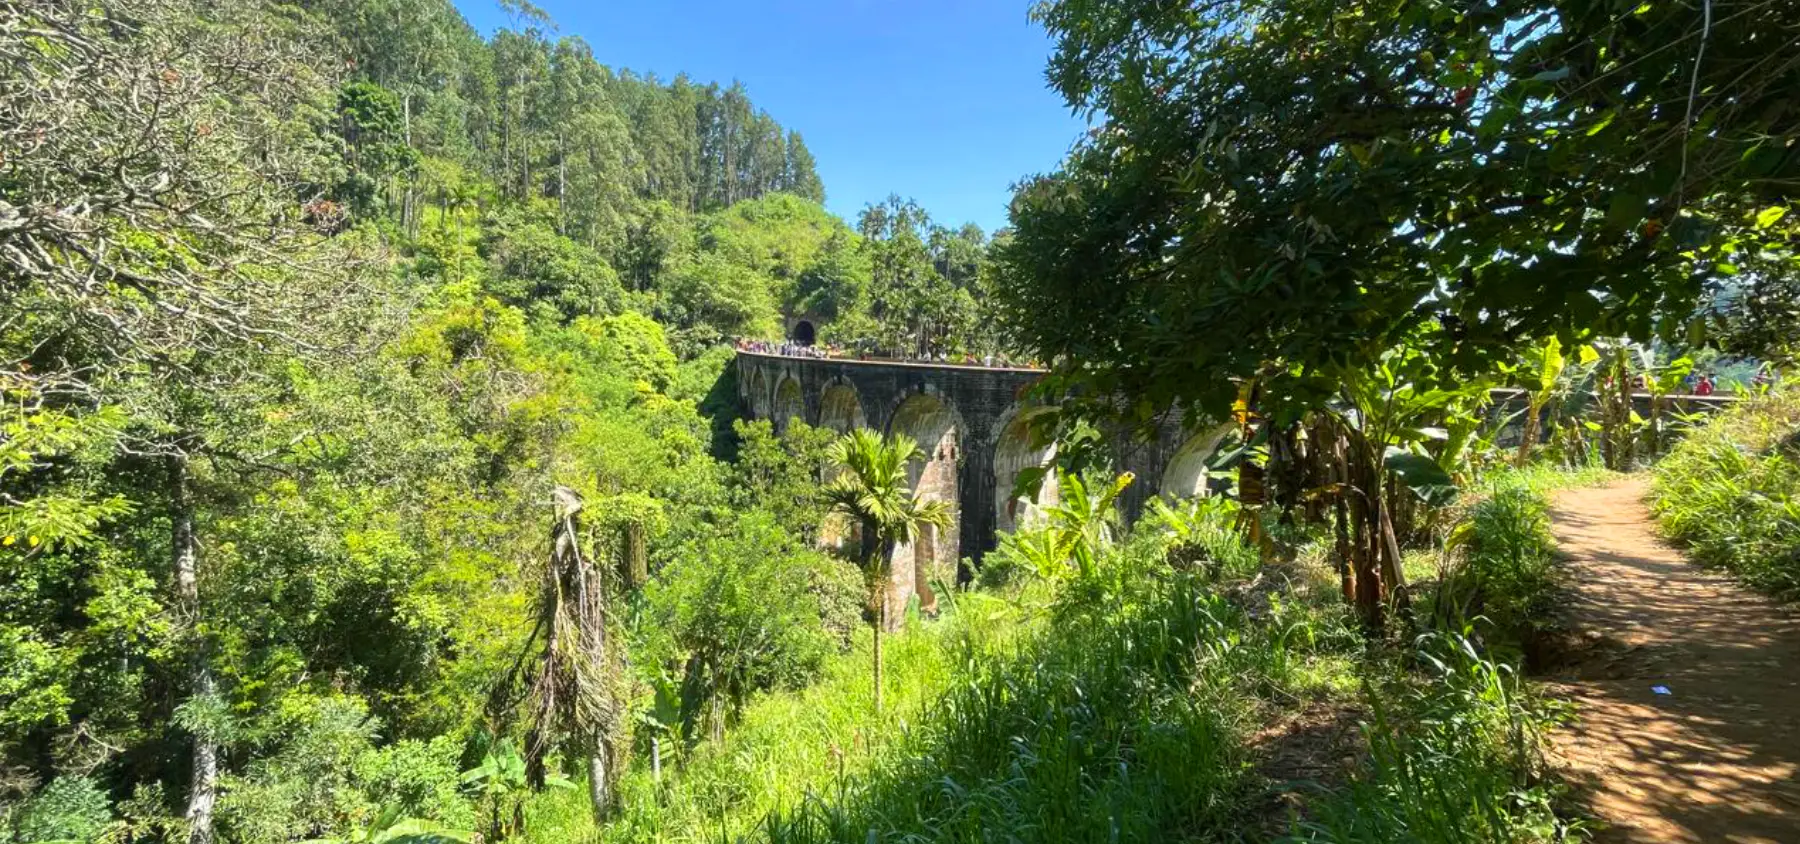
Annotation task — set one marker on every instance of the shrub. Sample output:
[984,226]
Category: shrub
[1502,566]
[418,779]
[744,611]
[1511,556]
[68,809]
[1729,493]
[299,785]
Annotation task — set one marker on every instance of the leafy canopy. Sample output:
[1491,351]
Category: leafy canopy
[1294,186]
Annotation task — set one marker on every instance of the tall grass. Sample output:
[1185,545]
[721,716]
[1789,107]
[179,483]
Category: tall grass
[1126,722]
[1454,757]
[1510,561]
[1118,707]
[787,744]
[1497,570]
[1543,477]
[1729,493]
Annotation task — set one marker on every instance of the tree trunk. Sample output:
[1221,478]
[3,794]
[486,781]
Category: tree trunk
[1362,491]
[409,200]
[1653,436]
[1529,436]
[599,788]
[204,788]
[636,568]
[562,185]
[1392,575]
[1627,437]
[1341,535]
[1332,447]
[1252,494]
[880,622]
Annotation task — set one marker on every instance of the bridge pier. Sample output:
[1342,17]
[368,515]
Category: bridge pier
[973,424]
[977,414]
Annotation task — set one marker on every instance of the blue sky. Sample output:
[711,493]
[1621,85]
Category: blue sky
[943,101]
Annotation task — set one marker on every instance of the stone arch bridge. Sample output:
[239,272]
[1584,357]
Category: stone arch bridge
[972,425]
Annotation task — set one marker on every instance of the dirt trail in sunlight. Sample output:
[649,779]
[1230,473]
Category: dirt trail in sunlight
[1717,759]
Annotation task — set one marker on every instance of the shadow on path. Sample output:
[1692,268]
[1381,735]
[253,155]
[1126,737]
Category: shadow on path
[1718,760]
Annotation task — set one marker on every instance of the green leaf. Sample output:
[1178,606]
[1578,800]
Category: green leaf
[1428,480]
[1029,480]
[1600,125]
[1551,364]
[1770,216]
[1556,75]
[1625,210]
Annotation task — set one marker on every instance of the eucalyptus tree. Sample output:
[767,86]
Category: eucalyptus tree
[800,176]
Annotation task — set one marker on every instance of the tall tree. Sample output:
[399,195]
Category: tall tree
[164,253]
[1281,188]
[802,177]
[1284,192]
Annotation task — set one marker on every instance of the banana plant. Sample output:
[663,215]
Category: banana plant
[1544,368]
[1077,530]
[1547,374]
[500,783]
[391,826]
[1087,518]
[1662,381]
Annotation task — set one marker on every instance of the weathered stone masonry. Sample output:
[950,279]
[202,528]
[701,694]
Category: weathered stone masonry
[967,419]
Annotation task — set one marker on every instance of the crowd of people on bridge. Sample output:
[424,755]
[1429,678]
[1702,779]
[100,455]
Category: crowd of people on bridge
[788,349]
[837,352]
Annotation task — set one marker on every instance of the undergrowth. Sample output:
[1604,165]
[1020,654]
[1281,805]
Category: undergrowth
[787,743]
[1496,572]
[1729,492]
[1122,707]
[1454,755]
[1126,722]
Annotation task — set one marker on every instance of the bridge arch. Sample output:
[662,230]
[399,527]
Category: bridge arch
[934,424]
[1014,452]
[756,393]
[789,402]
[1185,474]
[841,408]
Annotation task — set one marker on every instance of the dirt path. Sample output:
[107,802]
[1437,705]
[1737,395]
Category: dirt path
[1719,758]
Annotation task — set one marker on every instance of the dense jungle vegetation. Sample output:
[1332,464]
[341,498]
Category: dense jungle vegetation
[309,309]
[371,467]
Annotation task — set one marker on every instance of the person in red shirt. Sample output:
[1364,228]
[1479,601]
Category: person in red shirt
[1705,387]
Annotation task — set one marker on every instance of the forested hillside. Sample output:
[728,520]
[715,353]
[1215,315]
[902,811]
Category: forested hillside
[324,327]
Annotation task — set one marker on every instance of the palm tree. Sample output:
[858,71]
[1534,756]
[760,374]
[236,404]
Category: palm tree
[873,490]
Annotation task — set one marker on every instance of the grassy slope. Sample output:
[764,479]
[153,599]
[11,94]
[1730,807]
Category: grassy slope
[1132,708]
[1729,493]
